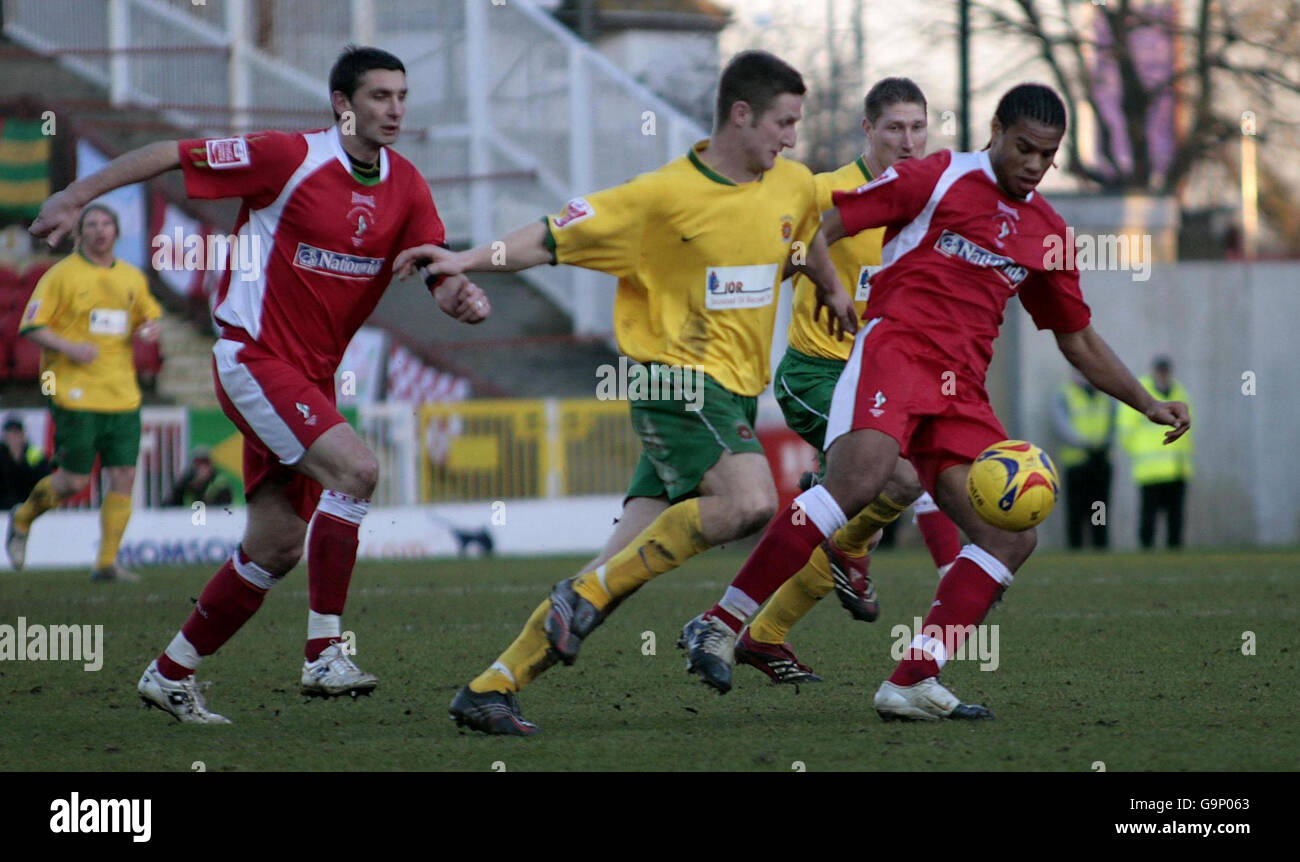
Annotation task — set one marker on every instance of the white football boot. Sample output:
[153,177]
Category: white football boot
[182,699]
[927,700]
[334,673]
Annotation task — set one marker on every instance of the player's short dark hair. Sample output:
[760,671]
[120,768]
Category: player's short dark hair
[757,78]
[353,64]
[1031,102]
[103,208]
[891,91]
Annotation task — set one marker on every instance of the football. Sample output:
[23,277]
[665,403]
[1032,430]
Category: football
[1013,485]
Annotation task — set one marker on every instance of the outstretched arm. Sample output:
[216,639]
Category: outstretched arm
[59,213]
[1088,352]
[520,249]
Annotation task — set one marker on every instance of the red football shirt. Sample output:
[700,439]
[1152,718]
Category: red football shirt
[956,249]
[320,242]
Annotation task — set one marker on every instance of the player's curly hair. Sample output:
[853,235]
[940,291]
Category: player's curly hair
[891,91]
[757,78]
[353,64]
[1031,102]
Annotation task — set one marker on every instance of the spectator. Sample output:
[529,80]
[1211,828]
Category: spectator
[1161,472]
[1084,418]
[22,464]
[201,482]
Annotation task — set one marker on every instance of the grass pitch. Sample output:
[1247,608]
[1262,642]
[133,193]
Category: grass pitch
[1132,660]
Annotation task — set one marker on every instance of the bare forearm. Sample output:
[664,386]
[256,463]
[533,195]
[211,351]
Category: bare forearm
[49,340]
[1088,352]
[520,249]
[136,166]
[817,266]
[832,227]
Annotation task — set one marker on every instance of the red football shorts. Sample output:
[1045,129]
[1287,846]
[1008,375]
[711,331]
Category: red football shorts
[896,384]
[280,413]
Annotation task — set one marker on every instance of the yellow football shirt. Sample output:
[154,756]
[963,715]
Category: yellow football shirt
[698,260]
[856,259]
[102,305]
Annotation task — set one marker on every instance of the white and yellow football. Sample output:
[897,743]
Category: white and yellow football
[1013,485]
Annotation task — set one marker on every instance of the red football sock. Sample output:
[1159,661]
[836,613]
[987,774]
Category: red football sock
[940,535]
[787,543]
[331,556]
[964,597]
[225,604]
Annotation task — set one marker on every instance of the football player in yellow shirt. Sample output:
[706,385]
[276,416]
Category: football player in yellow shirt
[894,122]
[85,312]
[699,247]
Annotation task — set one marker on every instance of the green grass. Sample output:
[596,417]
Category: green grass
[1135,661]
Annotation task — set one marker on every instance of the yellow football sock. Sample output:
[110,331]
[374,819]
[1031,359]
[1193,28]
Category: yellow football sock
[42,498]
[113,517]
[524,660]
[854,536]
[793,600]
[673,538]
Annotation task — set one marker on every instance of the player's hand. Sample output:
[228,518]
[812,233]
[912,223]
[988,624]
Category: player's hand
[841,316]
[460,298]
[57,218]
[148,331]
[427,254]
[1174,413]
[81,352]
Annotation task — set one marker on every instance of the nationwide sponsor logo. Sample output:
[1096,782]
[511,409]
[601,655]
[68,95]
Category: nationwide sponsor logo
[575,211]
[227,153]
[955,245]
[335,263]
[364,200]
[729,287]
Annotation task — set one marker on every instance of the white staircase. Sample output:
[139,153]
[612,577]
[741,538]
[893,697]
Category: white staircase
[509,114]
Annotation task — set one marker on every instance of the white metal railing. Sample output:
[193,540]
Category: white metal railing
[389,429]
[504,99]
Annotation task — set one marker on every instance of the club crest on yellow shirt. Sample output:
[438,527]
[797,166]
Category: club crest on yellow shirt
[787,228]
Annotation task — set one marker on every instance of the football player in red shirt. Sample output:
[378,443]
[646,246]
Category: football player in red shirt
[323,216]
[964,232]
